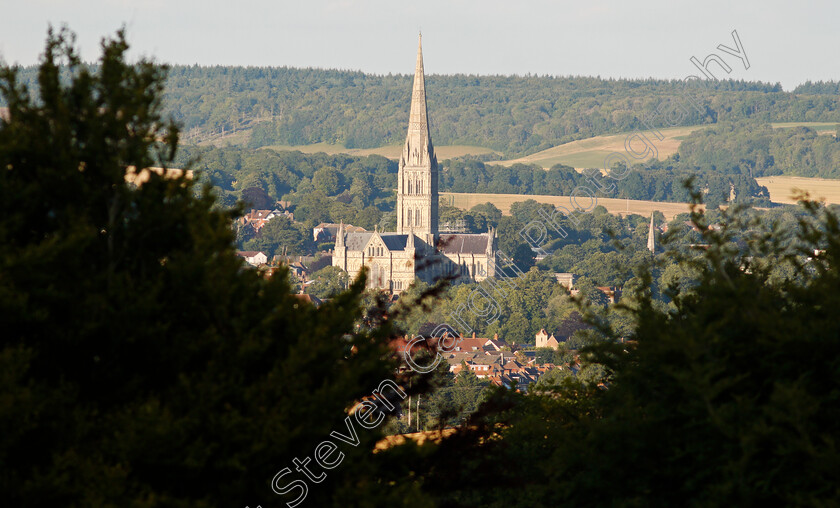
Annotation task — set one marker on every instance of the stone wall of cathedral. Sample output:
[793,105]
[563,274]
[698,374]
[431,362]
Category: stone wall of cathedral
[393,271]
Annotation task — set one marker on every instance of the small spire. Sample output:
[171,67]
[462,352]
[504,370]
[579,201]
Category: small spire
[651,242]
[339,241]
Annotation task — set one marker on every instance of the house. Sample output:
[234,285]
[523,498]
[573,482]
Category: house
[259,218]
[494,344]
[327,231]
[566,280]
[298,269]
[471,344]
[543,339]
[253,257]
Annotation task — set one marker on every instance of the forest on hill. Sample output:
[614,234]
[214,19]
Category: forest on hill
[511,114]
[756,149]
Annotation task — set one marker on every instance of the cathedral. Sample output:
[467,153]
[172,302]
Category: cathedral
[417,250]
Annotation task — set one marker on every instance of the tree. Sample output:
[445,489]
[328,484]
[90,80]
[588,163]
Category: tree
[140,362]
[313,208]
[278,234]
[256,197]
[328,282]
[327,180]
[523,257]
[544,355]
[368,218]
[489,211]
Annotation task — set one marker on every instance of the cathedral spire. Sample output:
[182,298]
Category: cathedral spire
[418,121]
[417,181]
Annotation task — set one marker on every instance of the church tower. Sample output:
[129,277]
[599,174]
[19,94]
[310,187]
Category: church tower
[417,185]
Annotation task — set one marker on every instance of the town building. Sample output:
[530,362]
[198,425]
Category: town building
[327,231]
[253,257]
[259,218]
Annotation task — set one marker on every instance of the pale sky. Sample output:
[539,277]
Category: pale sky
[787,42]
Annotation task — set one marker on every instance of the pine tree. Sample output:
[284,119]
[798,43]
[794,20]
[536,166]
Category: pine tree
[141,364]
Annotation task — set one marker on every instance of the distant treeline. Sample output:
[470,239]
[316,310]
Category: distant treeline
[511,114]
[819,87]
[659,181]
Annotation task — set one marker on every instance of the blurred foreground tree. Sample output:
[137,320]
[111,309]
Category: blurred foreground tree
[729,396]
[140,363]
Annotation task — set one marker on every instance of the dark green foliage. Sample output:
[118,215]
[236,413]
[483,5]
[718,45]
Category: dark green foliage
[140,363]
[328,282]
[729,397]
[818,87]
[454,401]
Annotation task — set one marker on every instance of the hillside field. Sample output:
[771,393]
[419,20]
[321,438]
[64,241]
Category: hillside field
[615,206]
[590,152]
[781,188]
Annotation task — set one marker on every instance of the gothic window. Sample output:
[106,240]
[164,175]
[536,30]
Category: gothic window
[417,217]
[409,217]
[409,186]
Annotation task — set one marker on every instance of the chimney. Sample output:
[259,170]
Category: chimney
[473,335]
[495,336]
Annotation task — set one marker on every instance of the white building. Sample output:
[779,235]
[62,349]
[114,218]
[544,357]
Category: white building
[253,257]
